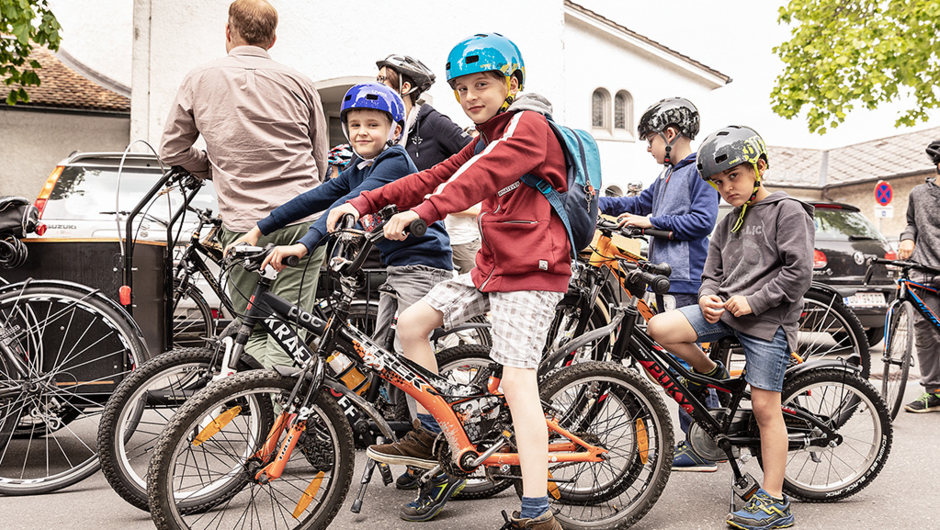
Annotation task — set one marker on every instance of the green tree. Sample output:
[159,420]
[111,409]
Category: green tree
[24,24]
[845,53]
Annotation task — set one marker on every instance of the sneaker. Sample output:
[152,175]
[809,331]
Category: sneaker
[686,459]
[698,389]
[414,449]
[408,480]
[762,512]
[432,498]
[546,521]
[929,402]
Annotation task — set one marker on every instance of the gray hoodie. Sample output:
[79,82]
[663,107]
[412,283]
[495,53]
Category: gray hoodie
[769,261]
[923,218]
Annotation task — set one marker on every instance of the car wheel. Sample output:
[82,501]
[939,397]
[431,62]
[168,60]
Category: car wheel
[875,335]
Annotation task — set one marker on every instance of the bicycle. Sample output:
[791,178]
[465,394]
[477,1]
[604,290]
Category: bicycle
[63,349]
[244,431]
[899,328]
[143,404]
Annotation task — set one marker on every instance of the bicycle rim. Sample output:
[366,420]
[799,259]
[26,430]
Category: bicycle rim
[611,406]
[898,358]
[75,350]
[212,484]
[192,317]
[828,328]
[852,407]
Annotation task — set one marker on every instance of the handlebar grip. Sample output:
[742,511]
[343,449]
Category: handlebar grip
[418,227]
[291,261]
[662,268]
[663,234]
[869,272]
[659,284]
[348,220]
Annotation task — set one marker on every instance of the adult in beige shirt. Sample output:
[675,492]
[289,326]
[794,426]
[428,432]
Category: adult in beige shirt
[266,143]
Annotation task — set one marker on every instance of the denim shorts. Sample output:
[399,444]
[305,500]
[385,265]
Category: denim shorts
[766,361]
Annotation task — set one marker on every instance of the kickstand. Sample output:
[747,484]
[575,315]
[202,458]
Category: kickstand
[366,478]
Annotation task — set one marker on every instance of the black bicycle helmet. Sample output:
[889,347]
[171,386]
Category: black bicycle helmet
[933,151]
[412,68]
[728,147]
[679,112]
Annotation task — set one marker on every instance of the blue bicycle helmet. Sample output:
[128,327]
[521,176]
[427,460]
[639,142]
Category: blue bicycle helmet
[377,97]
[485,52]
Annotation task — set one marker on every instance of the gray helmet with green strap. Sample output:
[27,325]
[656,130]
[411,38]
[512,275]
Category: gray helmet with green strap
[728,147]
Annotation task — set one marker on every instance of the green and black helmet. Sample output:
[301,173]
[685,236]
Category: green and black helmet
[728,147]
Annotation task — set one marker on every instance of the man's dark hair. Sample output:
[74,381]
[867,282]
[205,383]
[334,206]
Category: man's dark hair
[254,21]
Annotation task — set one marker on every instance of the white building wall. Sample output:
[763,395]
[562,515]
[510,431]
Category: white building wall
[327,40]
[34,142]
[601,59]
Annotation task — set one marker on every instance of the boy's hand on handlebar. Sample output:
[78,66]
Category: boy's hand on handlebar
[738,306]
[395,227]
[250,238]
[905,248]
[712,307]
[337,213]
[639,221]
[279,254]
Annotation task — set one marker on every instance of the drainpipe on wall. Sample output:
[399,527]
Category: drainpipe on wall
[140,73]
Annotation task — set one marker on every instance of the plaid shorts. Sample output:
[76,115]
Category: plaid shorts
[520,319]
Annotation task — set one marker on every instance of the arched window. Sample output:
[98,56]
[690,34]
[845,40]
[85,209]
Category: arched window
[623,111]
[600,109]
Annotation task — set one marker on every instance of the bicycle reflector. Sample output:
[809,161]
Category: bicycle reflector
[40,229]
[124,293]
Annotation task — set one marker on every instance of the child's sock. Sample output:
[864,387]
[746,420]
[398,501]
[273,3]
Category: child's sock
[429,423]
[533,507]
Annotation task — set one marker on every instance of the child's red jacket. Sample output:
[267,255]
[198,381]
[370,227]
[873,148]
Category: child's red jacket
[524,244]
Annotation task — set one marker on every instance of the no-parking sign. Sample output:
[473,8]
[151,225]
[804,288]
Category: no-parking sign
[883,193]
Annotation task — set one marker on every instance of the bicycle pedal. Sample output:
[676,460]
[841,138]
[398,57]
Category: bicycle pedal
[745,487]
[386,473]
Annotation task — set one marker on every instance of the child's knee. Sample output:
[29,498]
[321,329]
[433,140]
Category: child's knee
[417,322]
[660,328]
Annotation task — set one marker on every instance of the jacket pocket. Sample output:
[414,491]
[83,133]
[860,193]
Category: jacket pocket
[520,246]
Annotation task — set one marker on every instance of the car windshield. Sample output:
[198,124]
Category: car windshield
[88,193]
[833,223]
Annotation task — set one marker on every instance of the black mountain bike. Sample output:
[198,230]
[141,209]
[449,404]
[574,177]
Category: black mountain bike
[899,328]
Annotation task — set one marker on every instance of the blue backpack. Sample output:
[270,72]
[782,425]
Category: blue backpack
[577,207]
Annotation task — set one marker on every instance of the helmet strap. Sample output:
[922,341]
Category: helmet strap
[667,160]
[740,222]
[509,97]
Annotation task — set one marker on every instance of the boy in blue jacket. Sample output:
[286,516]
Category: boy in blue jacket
[372,116]
[682,202]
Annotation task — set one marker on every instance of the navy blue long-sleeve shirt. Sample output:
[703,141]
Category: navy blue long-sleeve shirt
[432,249]
[685,204]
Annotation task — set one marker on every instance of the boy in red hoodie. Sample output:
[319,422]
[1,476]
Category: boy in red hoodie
[522,269]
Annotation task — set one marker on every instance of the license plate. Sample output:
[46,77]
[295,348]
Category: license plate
[866,300]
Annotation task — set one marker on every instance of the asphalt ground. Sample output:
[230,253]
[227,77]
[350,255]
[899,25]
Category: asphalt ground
[902,496]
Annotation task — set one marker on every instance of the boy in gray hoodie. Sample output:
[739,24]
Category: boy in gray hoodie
[759,265]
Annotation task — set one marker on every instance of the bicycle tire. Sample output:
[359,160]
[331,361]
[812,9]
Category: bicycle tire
[612,406]
[193,323]
[76,348]
[182,491]
[827,328]
[565,322]
[832,473]
[469,336]
[140,408]
[898,356]
[462,364]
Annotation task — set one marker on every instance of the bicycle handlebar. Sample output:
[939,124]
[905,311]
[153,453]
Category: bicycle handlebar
[900,263]
[643,274]
[634,231]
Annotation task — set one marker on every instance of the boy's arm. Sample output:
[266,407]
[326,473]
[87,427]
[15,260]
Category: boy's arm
[384,172]
[307,203]
[795,242]
[697,224]
[713,270]
[409,191]
[641,204]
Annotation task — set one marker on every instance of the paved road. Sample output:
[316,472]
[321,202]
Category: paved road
[901,497]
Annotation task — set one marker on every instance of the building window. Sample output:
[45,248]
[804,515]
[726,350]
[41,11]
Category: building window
[600,109]
[623,111]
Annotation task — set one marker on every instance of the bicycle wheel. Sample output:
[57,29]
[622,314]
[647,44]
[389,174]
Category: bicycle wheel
[612,406]
[898,358]
[827,328]
[192,317]
[66,350]
[186,478]
[568,315]
[852,407]
[140,408]
[480,336]
[463,364]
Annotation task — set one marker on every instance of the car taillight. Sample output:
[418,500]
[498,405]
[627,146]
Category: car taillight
[47,188]
[892,255]
[819,259]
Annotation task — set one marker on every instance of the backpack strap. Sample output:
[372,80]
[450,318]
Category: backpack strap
[554,199]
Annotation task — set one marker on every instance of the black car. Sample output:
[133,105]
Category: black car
[845,239]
